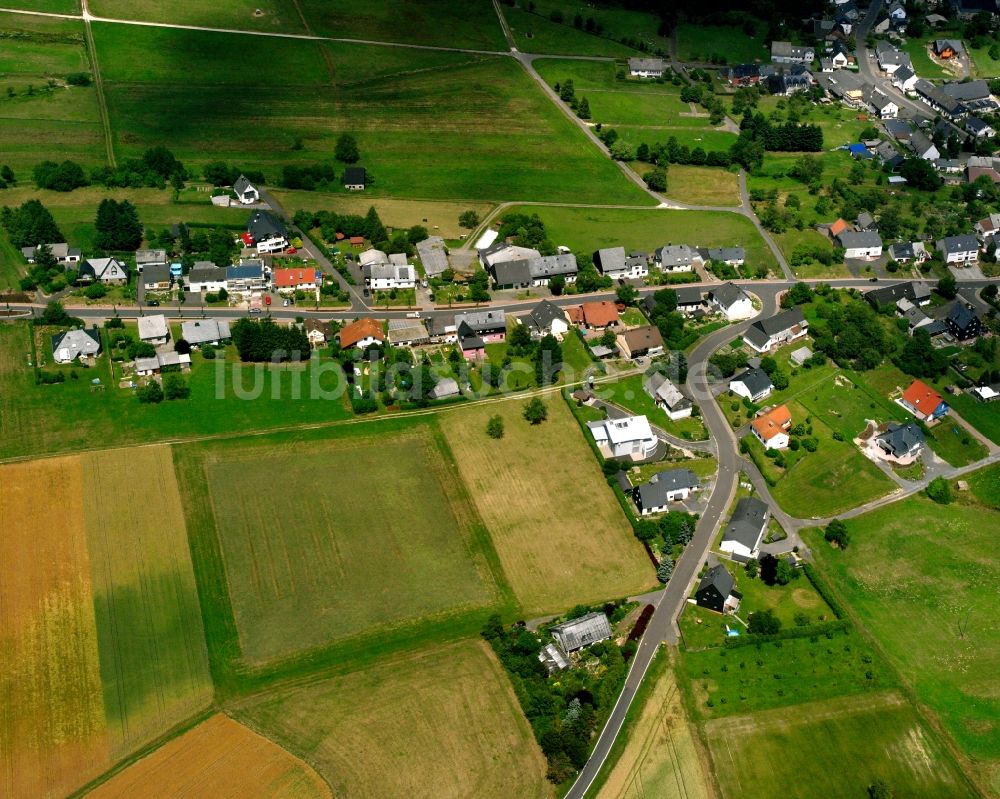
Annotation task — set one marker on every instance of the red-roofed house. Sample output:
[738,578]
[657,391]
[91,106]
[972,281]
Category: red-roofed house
[291,279]
[599,315]
[838,227]
[923,402]
[772,427]
[362,334]
[357,241]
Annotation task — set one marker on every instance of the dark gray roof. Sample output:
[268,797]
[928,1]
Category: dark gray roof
[511,273]
[718,577]
[690,295]
[961,315]
[610,259]
[245,271]
[901,438]
[760,331]
[482,321]
[156,273]
[902,250]
[242,185]
[542,315]
[865,220]
[967,242]
[850,239]
[77,342]
[747,523]
[726,254]
[551,265]
[889,295]
[263,225]
[976,125]
[727,294]
[971,90]
[654,493]
[756,380]
[205,274]
[353,175]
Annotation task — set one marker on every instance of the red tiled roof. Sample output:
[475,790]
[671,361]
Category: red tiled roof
[975,172]
[922,397]
[575,314]
[599,314]
[838,227]
[351,334]
[290,278]
[357,240]
[773,422]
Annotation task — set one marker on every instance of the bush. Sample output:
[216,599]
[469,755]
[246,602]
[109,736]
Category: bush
[535,411]
[494,427]
[836,533]
[151,393]
[939,490]
[78,79]
[95,291]
[175,387]
[764,622]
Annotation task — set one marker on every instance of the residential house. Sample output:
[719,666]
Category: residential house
[988,227]
[948,48]
[490,325]
[881,104]
[771,428]
[267,233]
[206,276]
[904,78]
[598,315]
[667,396]
[669,485]
[295,279]
[788,53]
[912,314]
[897,11]
[408,332]
[501,252]
[388,276]
[730,301]
[786,85]
[627,437]
[363,333]
[923,147]
[978,128]
[445,388]
[745,530]
[318,332]
[155,364]
[153,329]
[903,252]
[918,293]
[901,441]
[938,99]
[986,393]
[959,249]
[547,318]
[546,267]
[247,276]
[716,591]
[865,244]
[574,635]
[205,331]
[734,256]
[62,252]
[754,384]
[433,254]
[963,322]
[646,67]
[674,258]
[156,278]
[846,86]
[109,271]
[355,178]
[766,334]
[245,191]
[743,75]
[923,402]
[891,58]
[147,258]
[899,129]
[72,344]
[973,94]
[640,341]
[612,262]
[690,300]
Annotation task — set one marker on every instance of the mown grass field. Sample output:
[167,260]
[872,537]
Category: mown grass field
[328,540]
[154,664]
[536,33]
[590,229]
[434,723]
[561,538]
[701,42]
[220,757]
[39,122]
[616,23]
[225,396]
[661,756]
[52,725]
[914,573]
[432,125]
[51,6]
[834,749]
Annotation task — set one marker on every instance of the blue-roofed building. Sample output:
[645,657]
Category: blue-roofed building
[247,276]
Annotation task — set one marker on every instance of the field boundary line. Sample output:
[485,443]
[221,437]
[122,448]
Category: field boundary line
[102,103]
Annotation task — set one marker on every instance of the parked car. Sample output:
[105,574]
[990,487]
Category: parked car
[255,310]
[153,303]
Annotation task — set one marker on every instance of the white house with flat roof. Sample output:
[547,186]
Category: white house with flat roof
[628,437]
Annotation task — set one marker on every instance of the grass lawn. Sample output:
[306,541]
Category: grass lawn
[51,6]
[41,121]
[952,442]
[913,573]
[657,753]
[590,229]
[444,126]
[702,185]
[431,723]
[923,64]
[726,682]
[700,42]
[272,16]
[836,749]
[982,416]
[536,33]
[985,485]
[630,394]
[633,317]
[154,665]
[843,404]
[549,564]
[576,357]
[984,66]
[225,396]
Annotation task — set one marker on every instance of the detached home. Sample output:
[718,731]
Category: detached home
[387,276]
[667,396]
[865,244]
[146,258]
[109,271]
[302,278]
[628,437]
[766,334]
[771,428]
[716,591]
[598,315]
[355,178]
[753,384]
[746,529]
[640,341]
[157,277]
[923,402]
[267,232]
[959,249]
[246,277]
[63,253]
[788,53]
[72,344]
[731,301]
[547,318]
[153,329]
[674,258]
[205,331]
[901,441]
[646,67]
[963,322]
[612,262]
[670,485]
[245,191]
[363,334]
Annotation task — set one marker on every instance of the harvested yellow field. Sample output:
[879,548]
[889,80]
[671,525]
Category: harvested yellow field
[52,736]
[443,723]
[661,757]
[154,662]
[222,759]
[560,535]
